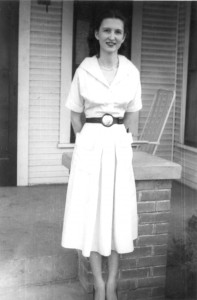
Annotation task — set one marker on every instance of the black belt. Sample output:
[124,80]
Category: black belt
[107,120]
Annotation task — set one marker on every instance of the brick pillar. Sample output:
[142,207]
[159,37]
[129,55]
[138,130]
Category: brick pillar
[142,273]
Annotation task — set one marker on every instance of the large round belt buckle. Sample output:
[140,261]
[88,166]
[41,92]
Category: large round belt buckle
[107,120]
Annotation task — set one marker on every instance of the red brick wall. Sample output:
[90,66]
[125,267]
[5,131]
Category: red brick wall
[142,273]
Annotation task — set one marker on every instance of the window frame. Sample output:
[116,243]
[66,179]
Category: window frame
[181,144]
[66,72]
[188,61]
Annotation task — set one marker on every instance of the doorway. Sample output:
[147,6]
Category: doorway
[84,13]
[9,16]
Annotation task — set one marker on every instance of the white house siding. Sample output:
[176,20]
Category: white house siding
[185,156]
[44,98]
[158,61]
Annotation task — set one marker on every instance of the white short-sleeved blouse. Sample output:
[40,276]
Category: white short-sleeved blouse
[90,92]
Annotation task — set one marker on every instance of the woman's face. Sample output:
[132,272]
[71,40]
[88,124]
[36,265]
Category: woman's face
[110,35]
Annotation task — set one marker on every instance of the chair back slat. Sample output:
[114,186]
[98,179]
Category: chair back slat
[156,120]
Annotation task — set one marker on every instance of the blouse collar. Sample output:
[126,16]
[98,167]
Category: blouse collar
[91,65]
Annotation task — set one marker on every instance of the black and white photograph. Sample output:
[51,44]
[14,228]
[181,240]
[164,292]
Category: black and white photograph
[98,150]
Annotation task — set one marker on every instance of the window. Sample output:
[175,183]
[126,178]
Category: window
[191,106]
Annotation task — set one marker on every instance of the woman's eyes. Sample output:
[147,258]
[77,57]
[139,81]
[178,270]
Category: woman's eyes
[107,30]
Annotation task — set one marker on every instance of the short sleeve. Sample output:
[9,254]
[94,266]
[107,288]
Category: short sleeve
[74,100]
[136,103]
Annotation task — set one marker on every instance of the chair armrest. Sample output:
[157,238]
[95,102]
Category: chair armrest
[144,142]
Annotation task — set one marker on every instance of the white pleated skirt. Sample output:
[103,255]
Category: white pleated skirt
[101,209]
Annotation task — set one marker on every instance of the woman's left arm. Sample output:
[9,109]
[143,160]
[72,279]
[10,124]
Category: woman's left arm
[129,120]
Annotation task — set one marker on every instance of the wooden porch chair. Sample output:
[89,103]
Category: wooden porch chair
[155,122]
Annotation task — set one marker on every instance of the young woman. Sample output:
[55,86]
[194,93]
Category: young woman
[101,210]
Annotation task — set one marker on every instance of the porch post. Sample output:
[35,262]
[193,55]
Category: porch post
[23,92]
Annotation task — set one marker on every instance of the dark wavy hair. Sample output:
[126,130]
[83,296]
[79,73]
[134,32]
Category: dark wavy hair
[93,43]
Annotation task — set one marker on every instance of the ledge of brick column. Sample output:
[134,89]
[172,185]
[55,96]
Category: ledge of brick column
[149,167]
[142,273]
[146,166]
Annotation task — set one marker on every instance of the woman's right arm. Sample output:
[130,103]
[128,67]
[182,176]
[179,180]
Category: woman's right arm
[76,121]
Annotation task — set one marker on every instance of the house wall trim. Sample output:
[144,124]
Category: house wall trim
[185,73]
[23,92]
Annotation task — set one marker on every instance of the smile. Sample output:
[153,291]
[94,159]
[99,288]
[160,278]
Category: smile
[110,44]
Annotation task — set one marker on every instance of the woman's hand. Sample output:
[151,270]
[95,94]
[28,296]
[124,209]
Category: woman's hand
[129,121]
[76,121]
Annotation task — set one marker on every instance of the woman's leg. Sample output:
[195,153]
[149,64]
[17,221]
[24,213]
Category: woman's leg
[113,267]
[99,284]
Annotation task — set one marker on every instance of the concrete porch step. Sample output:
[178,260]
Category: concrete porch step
[30,237]
[39,270]
[63,291]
